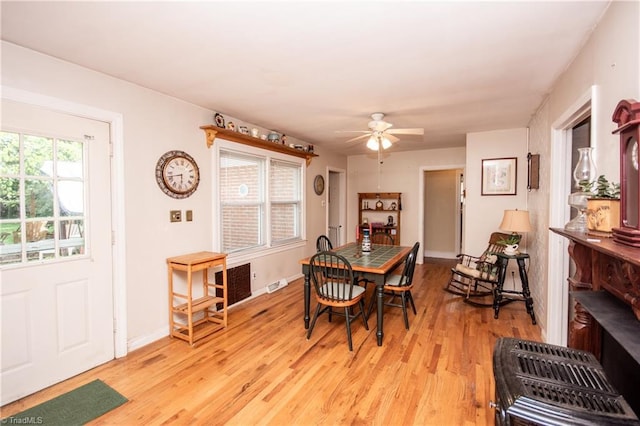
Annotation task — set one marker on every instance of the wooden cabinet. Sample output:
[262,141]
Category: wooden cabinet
[184,307]
[381,211]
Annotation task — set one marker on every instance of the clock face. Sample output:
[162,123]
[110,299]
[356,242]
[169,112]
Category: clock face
[177,174]
[630,193]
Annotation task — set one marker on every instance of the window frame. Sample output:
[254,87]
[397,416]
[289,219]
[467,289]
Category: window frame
[268,246]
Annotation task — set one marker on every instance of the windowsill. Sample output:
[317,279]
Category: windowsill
[247,256]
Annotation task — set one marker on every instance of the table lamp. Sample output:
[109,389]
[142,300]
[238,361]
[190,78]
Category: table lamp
[516,222]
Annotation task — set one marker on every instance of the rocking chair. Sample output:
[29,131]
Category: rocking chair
[476,276]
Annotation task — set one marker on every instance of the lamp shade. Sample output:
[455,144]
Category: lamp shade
[516,221]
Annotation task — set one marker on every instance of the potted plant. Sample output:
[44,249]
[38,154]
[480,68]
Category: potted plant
[511,243]
[603,206]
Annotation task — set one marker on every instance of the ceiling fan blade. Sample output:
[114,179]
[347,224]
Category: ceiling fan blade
[352,131]
[416,131]
[358,138]
[392,138]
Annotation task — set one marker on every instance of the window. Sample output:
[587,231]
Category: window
[260,200]
[41,198]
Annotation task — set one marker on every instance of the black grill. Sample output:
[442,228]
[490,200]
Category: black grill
[542,384]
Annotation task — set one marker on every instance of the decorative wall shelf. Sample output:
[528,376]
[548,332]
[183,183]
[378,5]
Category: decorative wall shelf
[212,132]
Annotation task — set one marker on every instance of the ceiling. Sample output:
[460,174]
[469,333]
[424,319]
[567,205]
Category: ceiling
[313,69]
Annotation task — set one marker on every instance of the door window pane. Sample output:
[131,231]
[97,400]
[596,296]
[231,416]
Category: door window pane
[42,198]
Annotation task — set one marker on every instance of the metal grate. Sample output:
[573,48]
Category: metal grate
[549,384]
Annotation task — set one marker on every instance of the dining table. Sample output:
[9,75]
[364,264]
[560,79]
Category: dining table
[373,266]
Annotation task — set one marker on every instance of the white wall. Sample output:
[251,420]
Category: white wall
[400,172]
[153,124]
[483,213]
[610,60]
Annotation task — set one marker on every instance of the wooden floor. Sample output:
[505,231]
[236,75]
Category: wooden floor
[263,370]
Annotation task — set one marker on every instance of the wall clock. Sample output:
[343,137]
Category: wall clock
[177,174]
[627,116]
[318,184]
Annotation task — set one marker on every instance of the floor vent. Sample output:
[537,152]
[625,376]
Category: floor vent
[277,285]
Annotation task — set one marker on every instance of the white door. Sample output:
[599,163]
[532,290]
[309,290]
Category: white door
[56,253]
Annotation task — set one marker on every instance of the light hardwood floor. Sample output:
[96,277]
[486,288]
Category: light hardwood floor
[262,369]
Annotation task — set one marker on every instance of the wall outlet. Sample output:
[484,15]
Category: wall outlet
[175,215]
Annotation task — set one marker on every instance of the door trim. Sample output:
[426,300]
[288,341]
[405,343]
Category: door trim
[559,213]
[115,121]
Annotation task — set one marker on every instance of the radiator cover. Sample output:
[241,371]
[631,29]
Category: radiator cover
[238,284]
[542,384]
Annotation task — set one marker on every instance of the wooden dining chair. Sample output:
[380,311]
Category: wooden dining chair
[323,243]
[382,238]
[335,287]
[400,285]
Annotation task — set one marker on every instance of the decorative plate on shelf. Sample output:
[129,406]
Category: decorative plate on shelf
[219,120]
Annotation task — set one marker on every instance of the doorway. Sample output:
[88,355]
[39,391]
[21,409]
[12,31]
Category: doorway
[442,212]
[336,207]
[561,182]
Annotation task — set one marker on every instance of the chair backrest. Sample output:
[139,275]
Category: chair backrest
[409,266]
[332,276]
[382,238]
[323,243]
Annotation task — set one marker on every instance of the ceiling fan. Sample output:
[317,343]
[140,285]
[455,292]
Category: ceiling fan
[381,134]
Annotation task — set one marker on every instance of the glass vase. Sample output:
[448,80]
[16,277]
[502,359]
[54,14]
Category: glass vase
[585,171]
[584,175]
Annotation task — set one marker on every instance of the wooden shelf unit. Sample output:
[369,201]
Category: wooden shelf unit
[212,132]
[367,209]
[185,305]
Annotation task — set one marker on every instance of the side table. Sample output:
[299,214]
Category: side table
[186,305]
[501,296]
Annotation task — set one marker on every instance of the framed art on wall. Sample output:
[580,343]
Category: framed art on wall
[533,177]
[499,176]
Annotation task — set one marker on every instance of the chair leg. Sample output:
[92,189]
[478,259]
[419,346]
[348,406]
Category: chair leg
[374,297]
[364,317]
[413,305]
[404,311]
[348,322]
[313,321]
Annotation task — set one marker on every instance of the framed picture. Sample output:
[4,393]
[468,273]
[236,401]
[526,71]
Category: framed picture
[499,176]
[534,171]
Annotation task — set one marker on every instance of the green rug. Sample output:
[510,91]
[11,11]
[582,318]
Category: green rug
[75,407]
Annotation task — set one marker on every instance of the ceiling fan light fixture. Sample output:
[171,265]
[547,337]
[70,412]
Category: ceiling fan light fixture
[386,143]
[373,144]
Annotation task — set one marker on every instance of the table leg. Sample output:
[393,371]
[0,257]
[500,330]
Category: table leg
[380,296]
[307,297]
[528,300]
[497,289]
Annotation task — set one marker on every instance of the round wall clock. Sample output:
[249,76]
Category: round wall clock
[318,184]
[177,174]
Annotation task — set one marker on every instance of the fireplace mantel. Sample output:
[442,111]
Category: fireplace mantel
[601,265]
